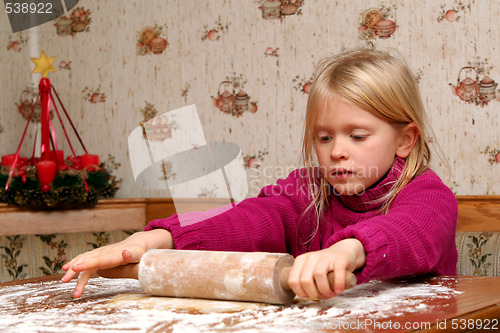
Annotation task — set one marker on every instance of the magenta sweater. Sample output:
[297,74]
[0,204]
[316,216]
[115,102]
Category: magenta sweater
[416,236]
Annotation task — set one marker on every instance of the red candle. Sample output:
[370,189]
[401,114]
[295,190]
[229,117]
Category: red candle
[88,161]
[60,156]
[8,159]
[46,171]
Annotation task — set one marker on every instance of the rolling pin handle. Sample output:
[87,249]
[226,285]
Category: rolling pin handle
[350,279]
[129,271]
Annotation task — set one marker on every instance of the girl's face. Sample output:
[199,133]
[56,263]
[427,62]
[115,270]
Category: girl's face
[354,147]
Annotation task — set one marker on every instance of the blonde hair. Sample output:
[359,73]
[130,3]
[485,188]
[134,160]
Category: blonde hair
[378,83]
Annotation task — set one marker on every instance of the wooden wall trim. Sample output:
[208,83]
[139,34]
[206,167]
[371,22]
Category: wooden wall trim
[106,215]
[475,213]
[159,208]
[479,213]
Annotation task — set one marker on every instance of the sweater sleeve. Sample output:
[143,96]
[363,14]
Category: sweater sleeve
[416,236]
[267,223]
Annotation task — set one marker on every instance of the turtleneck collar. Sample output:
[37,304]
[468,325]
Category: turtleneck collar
[367,200]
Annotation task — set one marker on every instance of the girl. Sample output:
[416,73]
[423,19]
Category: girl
[372,207]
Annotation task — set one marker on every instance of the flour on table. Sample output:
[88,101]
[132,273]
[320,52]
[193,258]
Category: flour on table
[119,305]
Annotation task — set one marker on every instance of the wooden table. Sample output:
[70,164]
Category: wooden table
[425,304]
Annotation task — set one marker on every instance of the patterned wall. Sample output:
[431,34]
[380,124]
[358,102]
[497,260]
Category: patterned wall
[247,66]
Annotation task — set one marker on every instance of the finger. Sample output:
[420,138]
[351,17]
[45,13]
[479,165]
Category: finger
[69,268]
[79,259]
[83,257]
[133,254]
[340,275]
[99,262]
[83,278]
[87,264]
[127,256]
[69,275]
[68,265]
[294,278]
[308,281]
[322,283]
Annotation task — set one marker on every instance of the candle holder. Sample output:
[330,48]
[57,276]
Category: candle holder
[52,181]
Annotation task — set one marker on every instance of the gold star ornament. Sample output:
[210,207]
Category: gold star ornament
[43,64]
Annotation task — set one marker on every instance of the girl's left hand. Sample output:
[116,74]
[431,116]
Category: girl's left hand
[308,277]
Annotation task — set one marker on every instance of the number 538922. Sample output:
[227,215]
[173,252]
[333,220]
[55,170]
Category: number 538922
[28,8]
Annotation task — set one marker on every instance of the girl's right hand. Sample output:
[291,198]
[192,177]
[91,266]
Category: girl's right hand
[108,258]
[309,275]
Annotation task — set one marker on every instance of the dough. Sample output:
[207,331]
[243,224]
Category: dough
[185,305]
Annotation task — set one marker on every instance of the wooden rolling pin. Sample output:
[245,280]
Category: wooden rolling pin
[237,276]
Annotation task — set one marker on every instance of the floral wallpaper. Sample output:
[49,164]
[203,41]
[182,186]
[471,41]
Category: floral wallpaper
[25,256]
[247,65]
